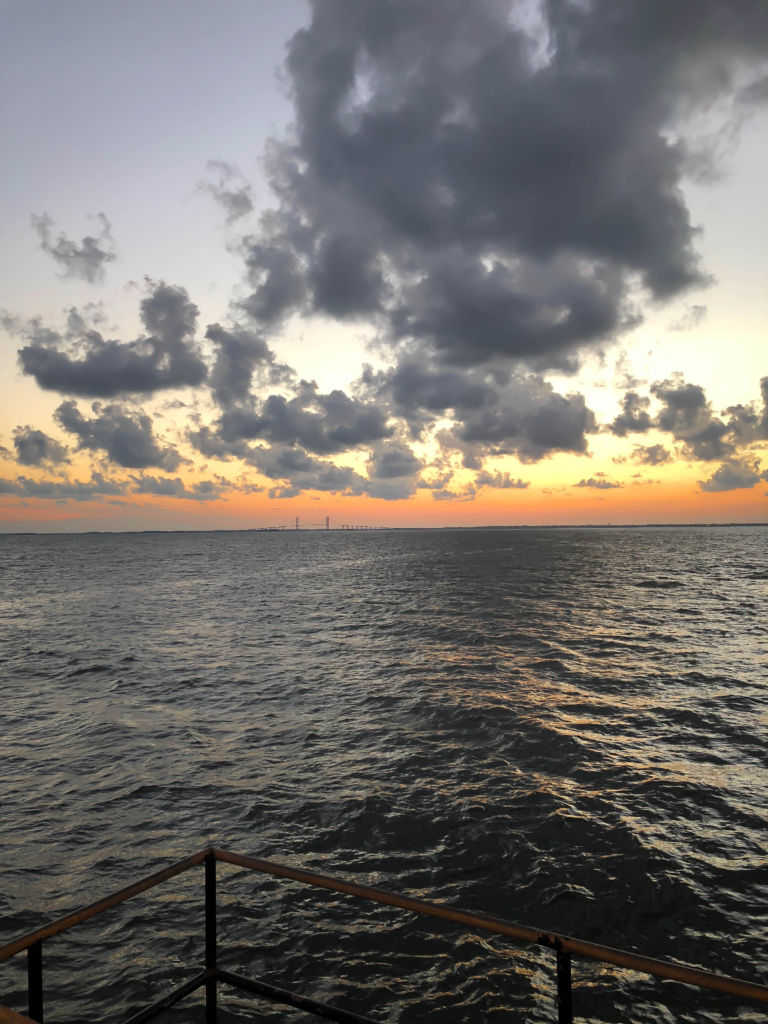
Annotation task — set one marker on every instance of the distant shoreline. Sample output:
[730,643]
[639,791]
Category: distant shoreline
[380,529]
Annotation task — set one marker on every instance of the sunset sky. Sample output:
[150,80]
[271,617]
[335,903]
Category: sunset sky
[396,262]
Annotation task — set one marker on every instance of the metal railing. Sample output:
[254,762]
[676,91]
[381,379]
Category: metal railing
[564,947]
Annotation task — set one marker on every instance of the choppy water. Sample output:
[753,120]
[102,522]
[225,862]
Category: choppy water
[566,728]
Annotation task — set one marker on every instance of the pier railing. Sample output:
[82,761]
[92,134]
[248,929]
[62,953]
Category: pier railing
[212,975]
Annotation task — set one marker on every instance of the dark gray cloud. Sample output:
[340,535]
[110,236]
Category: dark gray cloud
[63,490]
[208,441]
[483,193]
[493,411]
[91,366]
[469,312]
[345,277]
[229,188]
[87,260]
[418,390]
[125,437]
[687,415]
[393,471]
[503,481]
[651,455]
[598,482]
[634,418]
[323,424]
[442,489]
[733,475]
[527,418]
[243,358]
[36,448]
[275,273]
[297,471]
[174,487]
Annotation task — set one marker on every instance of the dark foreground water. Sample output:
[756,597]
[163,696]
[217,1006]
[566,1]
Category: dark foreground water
[566,728]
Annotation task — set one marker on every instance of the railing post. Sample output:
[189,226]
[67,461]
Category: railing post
[564,1002]
[35,980]
[210,937]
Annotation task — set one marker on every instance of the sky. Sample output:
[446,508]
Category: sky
[392,262]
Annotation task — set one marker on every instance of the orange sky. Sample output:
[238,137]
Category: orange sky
[663,503]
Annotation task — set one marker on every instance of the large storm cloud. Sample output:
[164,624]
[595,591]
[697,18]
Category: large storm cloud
[489,190]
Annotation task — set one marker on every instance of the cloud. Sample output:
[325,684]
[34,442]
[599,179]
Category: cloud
[692,317]
[241,356]
[174,487]
[393,471]
[126,437]
[503,481]
[599,482]
[686,414]
[323,424]
[469,312]
[483,193]
[230,189]
[276,276]
[526,418]
[416,390]
[492,411]
[91,366]
[634,418]
[651,455]
[35,448]
[756,93]
[442,491]
[733,475]
[99,487]
[297,471]
[85,261]
[63,490]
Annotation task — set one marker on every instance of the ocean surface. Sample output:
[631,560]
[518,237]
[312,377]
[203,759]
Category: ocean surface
[563,727]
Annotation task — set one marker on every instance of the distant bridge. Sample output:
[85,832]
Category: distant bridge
[296,525]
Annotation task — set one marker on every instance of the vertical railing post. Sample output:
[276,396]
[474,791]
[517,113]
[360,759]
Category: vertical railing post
[564,1001]
[35,981]
[210,937]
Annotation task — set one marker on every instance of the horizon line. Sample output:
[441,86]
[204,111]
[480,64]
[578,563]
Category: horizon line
[374,529]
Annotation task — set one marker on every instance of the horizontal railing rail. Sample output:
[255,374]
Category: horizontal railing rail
[564,946]
[498,926]
[62,924]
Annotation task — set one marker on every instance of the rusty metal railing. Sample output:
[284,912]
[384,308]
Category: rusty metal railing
[565,947]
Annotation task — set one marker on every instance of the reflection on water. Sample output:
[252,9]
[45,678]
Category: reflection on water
[532,723]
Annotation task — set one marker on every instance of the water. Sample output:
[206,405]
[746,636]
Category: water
[566,728]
